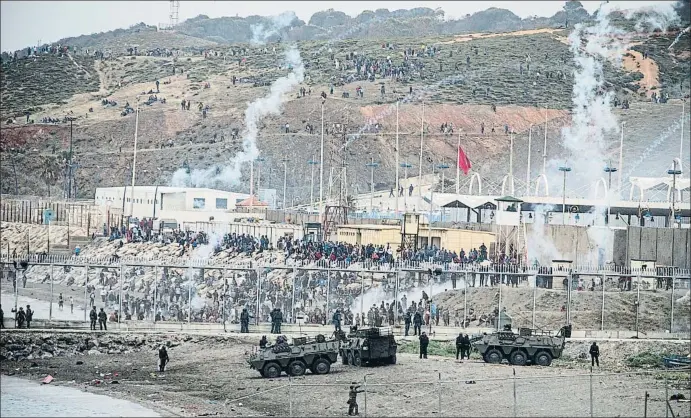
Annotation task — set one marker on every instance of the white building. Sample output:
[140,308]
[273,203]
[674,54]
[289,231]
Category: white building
[180,203]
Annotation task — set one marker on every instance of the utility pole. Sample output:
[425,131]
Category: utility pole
[259,173]
[285,180]
[621,159]
[371,165]
[527,174]
[321,168]
[312,163]
[565,170]
[422,139]
[397,153]
[674,172]
[134,158]
[458,163]
[69,184]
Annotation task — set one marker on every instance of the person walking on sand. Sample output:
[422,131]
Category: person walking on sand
[424,342]
[163,358]
[93,316]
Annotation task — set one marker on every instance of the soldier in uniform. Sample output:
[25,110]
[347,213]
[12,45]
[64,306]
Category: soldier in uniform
[337,320]
[407,322]
[244,321]
[352,399]
[277,319]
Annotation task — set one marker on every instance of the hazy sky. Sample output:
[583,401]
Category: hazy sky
[24,23]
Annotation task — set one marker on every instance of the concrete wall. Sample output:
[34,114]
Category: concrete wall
[668,246]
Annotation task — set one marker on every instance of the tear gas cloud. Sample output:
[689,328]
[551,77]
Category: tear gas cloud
[257,110]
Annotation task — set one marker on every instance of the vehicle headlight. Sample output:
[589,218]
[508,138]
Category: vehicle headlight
[365,348]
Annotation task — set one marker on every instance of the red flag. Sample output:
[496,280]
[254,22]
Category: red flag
[463,161]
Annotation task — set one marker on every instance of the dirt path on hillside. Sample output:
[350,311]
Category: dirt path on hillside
[474,36]
[651,73]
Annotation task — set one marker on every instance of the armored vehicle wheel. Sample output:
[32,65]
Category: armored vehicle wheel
[493,356]
[542,358]
[350,359]
[392,359]
[271,370]
[518,358]
[321,366]
[297,368]
[357,361]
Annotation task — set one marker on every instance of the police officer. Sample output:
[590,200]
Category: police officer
[424,342]
[465,347]
[336,321]
[29,316]
[102,318]
[277,319]
[417,323]
[263,342]
[93,316]
[408,320]
[594,355]
[244,321]
[352,399]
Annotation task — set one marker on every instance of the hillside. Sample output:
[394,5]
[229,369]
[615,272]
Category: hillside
[460,78]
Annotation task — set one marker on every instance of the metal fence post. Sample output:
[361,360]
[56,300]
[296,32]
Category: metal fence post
[50,308]
[666,398]
[86,284]
[439,391]
[602,319]
[515,403]
[534,300]
[155,293]
[328,289]
[122,278]
[591,391]
[292,305]
[290,396]
[365,393]
[671,318]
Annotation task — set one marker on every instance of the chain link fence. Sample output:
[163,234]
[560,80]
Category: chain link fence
[211,293]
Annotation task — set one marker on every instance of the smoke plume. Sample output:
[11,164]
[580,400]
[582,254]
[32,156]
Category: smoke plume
[261,33]
[271,104]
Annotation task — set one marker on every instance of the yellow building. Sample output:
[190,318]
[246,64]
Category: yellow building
[450,239]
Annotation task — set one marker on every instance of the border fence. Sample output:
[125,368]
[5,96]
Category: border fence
[209,291]
[448,394]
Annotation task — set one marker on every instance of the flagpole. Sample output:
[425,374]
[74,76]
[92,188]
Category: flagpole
[458,164]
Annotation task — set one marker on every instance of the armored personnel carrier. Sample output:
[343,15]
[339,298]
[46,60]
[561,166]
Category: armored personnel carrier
[368,346]
[316,354]
[528,346]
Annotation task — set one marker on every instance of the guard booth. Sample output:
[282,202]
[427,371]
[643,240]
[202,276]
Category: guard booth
[312,231]
[561,269]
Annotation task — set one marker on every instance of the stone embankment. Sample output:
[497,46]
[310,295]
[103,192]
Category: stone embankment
[22,346]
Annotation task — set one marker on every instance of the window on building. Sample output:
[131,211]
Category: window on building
[198,203]
[221,203]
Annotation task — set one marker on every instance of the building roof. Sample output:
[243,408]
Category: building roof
[251,201]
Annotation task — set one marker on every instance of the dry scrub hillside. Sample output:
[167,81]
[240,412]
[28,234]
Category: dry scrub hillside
[454,91]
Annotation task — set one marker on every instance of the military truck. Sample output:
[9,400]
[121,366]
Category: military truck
[527,346]
[368,346]
[316,354]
